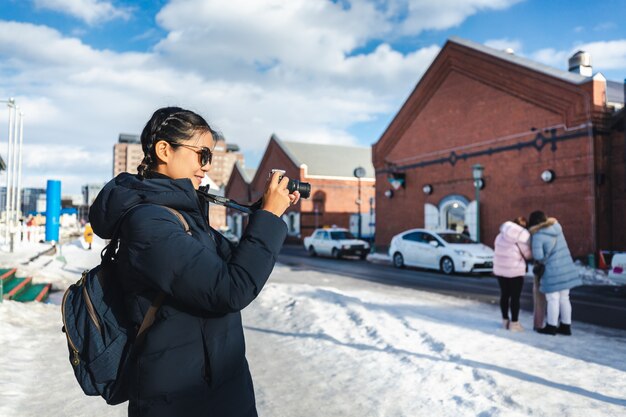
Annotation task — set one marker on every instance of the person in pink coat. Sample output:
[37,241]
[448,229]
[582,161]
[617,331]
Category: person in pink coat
[512,249]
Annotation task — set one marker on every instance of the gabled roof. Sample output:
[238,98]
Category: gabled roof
[328,160]
[614,89]
[246,173]
[524,62]
[524,79]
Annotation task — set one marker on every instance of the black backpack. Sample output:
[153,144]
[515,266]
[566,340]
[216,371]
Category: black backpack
[100,337]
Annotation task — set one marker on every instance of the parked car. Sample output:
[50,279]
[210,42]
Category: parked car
[335,242]
[446,250]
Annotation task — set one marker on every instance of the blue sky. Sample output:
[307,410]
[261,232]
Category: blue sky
[323,71]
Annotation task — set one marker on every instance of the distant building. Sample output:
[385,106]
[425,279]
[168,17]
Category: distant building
[330,171]
[90,192]
[548,139]
[30,197]
[224,158]
[128,154]
[238,189]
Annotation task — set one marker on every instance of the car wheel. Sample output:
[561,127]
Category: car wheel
[398,260]
[446,265]
[335,253]
[363,256]
[312,251]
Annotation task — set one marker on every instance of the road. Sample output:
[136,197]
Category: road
[601,305]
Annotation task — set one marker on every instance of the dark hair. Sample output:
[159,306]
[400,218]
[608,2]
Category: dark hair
[521,221]
[173,125]
[536,217]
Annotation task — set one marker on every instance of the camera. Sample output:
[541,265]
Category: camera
[294,185]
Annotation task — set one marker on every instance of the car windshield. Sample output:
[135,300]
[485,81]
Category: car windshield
[341,235]
[455,238]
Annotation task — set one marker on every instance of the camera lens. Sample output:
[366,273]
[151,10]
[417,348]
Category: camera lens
[303,187]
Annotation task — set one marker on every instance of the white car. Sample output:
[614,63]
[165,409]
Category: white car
[617,273]
[445,250]
[335,242]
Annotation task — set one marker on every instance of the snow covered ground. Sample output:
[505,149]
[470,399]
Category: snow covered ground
[327,345]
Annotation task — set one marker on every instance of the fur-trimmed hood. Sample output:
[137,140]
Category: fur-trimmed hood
[546,226]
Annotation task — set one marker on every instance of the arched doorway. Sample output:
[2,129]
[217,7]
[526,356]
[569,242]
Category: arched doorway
[453,210]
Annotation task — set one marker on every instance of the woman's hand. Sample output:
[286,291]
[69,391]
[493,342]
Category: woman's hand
[276,198]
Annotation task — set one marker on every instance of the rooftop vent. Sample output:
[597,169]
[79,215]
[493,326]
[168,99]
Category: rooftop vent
[580,63]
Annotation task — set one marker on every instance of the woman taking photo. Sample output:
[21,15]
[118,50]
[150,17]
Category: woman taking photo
[512,249]
[192,360]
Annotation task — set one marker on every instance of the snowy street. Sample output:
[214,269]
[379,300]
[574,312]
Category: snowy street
[323,344]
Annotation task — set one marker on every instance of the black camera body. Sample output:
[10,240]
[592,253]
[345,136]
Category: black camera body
[295,185]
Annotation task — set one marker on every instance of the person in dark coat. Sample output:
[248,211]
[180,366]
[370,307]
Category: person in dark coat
[192,361]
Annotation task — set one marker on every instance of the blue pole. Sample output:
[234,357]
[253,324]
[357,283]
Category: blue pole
[53,210]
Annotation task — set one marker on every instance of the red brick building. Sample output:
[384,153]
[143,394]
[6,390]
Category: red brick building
[518,119]
[238,189]
[616,153]
[330,171]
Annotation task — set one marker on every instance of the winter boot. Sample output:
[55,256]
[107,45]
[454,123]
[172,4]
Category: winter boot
[549,329]
[565,329]
[505,324]
[515,326]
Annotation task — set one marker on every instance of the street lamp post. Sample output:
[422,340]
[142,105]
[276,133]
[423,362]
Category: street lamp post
[359,172]
[372,250]
[13,168]
[10,139]
[477,173]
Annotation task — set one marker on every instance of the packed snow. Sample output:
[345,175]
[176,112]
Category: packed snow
[326,345]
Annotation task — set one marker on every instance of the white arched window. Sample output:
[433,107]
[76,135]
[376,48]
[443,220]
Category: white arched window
[292,220]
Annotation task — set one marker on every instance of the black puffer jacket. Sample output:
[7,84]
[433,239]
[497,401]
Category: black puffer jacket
[193,359]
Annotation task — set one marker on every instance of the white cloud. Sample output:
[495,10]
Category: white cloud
[609,54]
[90,11]
[604,27]
[605,56]
[505,43]
[552,57]
[252,68]
[443,14]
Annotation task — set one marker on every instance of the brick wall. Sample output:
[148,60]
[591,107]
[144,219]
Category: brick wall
[334,198]
[467,103]
[618,185]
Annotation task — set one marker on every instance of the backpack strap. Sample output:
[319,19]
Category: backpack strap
[148,319]
[180,218]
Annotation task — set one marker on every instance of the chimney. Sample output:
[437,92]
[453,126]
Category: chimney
[580,63]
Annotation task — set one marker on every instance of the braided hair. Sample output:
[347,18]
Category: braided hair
[173,125]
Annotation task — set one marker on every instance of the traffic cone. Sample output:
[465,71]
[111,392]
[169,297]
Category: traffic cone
[601,261]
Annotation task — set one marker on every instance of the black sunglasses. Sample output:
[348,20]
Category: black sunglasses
[206,156]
